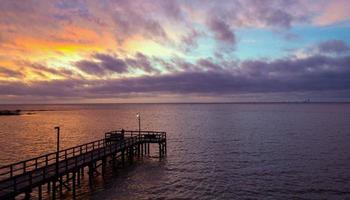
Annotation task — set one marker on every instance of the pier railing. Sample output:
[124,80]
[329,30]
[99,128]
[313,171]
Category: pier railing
[21,176]
[26,166]
[22,167]
[144,135]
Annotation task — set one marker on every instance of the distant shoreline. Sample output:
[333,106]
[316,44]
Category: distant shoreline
[10,112]
[17,112]
[268,102]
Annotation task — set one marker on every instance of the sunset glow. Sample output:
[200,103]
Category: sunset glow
[121,51]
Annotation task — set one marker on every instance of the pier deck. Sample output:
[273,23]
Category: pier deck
[66,168]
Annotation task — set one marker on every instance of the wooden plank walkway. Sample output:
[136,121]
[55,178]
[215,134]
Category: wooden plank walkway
[22,177]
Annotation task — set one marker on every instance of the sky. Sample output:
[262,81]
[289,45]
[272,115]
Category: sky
[120,51]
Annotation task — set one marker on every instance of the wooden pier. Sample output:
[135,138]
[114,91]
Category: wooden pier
[64,169]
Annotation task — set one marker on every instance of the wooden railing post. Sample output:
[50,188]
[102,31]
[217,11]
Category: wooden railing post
[44,172]
[11,171]
[20,174]
[15,184]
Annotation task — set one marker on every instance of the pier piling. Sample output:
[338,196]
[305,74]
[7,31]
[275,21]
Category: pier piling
[58,169]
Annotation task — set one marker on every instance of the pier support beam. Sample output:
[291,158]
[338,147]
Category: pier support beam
[61,186]
[73,185]
[141,148]
[138,150]
[91,173]
[82,172]
[54,189]
[113,161]
[27,195]
[49,187]
[123,158]
[92,155]
[78,177]
[40,195]
[104,161]
[131,155]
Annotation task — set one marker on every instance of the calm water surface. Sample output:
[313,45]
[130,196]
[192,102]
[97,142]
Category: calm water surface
[215,151]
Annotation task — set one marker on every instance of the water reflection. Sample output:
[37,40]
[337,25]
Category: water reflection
[215,151]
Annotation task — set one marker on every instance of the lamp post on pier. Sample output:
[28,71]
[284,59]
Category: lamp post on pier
[138,116]
[58,148]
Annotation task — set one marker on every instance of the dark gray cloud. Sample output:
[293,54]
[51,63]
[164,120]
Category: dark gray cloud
[270,13]
[111,63]
[4,72]
[189,41]
[317,73]
[107,64]
[39,68]
[273,17]
[222,30]
[130,18]
[333,46]
[208,65]
[90,67]
[172,9]
[141,61]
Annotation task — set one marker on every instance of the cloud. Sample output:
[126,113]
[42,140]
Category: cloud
[39,68]
[189,41]
[317,73]
[62,31]
[332,12]
[222,30]
[4,72]
[273,16]
[111,63]
[130,19]
[104,64]
[263,14]
[208,65]
[90,67]
[141,61]
[333,46]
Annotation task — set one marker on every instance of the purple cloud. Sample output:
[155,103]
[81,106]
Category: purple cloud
[90,67]
[270,13]
[208,65]
[10,73]
[333,46]
[317,73]
[272,16]
[140,61]
[111,63]
[222,30]
[107,64]
[130,18]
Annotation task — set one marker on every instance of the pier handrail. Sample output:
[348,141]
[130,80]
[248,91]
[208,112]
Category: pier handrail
[22,167]
[128,133]
[29,176]
[43,161]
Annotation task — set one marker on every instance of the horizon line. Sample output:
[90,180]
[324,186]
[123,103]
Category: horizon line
[236,102]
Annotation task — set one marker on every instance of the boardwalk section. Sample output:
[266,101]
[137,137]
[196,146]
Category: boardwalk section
[64,169]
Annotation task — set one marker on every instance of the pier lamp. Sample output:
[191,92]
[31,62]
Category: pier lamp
[58,148]
[138,116]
